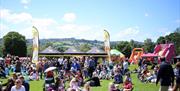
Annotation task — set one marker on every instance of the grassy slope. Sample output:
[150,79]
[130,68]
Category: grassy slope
[138,86]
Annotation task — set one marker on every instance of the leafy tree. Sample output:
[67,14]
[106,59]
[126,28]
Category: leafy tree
[172,38]
[161,40]
[15,44]
[84,47]
[60,46]
[29,50]
[1,50]
[148,45]
[135,44]
[124,47]
[42,47]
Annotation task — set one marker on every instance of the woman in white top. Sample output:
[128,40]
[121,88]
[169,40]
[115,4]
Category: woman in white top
[18,86]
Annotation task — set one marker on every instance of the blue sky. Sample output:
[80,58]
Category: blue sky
[124,19]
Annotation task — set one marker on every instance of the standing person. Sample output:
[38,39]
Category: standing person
[18,65]
[18,86]
[91,67]
[165,75]
[125,66]
[177,85]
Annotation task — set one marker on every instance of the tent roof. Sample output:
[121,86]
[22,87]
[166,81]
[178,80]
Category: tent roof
[72,50]
[49,50]
[95,50]
[116,52]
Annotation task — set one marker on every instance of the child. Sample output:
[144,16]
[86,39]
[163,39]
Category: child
[127,85]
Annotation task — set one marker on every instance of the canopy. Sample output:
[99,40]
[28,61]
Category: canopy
[50,69]
[72,50]
[116,52]
[49,50]
[95,50]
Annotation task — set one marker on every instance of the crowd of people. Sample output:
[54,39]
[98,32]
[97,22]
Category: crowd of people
[82,73]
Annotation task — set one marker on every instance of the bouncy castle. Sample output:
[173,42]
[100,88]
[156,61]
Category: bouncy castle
[160,50]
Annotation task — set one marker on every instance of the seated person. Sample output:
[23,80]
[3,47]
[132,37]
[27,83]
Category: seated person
[94,81]
[111,87]
[74,84]
[153,77]
[33,75]
[49,78]
[127,85]
[118,78]
[145,74]
[59,85]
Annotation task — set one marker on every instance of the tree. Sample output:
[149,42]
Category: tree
[1,50]
[148,45]
[174,38]
[29,50]
[124,47]
[135,44]
[171,38]
[15,44]
[60,46]
[161,40]
[42,47]
[84,47]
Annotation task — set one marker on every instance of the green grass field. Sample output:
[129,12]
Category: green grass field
[138,86]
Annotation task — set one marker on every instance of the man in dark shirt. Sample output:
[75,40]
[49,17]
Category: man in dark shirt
[165,75]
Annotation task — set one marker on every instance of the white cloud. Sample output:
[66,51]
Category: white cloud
[69,17]
[25,3]
[80,31]
[130,31]
[163,31]
[22,22]
[127,34]
[3,29]
[167,33]
[43,22]
[146,14]
[12,17]
[4,13]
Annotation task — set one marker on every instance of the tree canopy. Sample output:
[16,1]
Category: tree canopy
[14,44]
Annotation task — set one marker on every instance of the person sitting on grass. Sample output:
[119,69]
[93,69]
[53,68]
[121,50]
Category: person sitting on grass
[59,85]
[118,77]
[74,84]
[94,81]
[145,73]
[153,77]
[127,85]
[111,87]
[87,87]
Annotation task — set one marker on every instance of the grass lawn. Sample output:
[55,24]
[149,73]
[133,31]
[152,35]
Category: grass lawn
[138,86]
